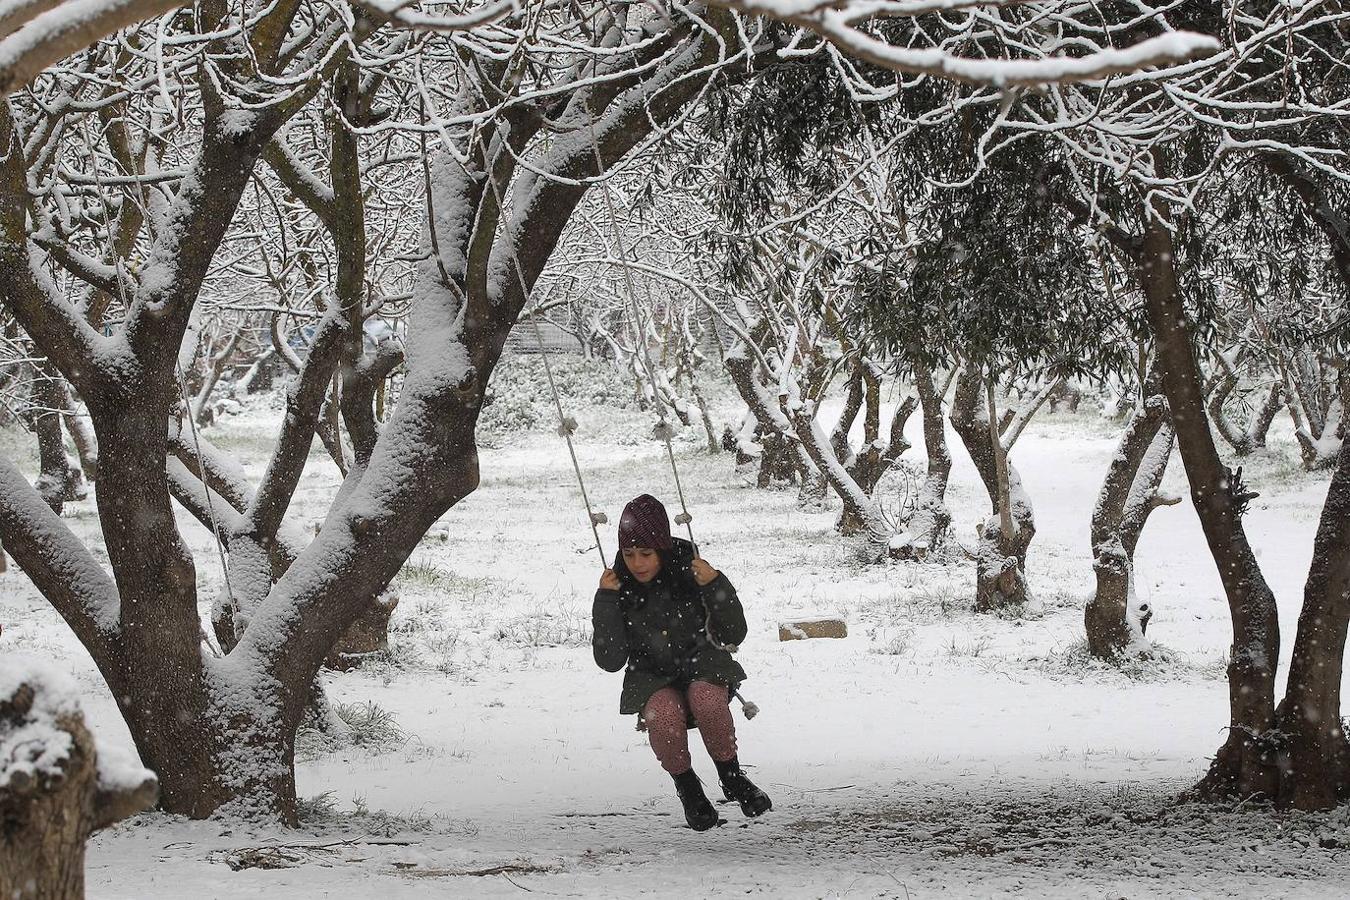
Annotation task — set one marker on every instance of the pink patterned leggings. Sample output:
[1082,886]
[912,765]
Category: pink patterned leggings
[666,717]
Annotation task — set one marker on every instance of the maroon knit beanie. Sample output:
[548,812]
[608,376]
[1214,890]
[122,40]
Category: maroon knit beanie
[644,523]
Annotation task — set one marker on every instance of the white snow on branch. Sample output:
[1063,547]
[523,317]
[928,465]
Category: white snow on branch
[24,517]
[838,23]
[38,33]
[396,11]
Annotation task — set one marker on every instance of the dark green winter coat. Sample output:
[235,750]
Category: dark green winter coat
[657,629]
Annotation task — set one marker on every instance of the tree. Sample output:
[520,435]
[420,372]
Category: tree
[219,729]
[1115,619]
[1234,112]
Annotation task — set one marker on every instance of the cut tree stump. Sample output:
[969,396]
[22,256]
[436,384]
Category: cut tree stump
[804,629]
[55,791]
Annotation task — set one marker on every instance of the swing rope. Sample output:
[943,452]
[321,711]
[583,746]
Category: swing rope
[664,429]
[567,425]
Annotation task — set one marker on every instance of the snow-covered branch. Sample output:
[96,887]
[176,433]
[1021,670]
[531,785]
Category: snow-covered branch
[58,563]
[844,23]
[35,34]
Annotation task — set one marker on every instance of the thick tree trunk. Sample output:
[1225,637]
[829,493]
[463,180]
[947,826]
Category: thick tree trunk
[1114,619]
[930,520]
[1244,765]
[782,460]
[82,435]
[1000,564]
[1315,765]
[160,685]
[58,482]
[51,797]
[1001,554]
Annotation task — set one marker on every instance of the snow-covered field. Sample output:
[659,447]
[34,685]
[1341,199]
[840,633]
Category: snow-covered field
[934,752]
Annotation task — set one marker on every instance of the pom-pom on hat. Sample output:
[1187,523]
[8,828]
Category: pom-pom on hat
[644,524]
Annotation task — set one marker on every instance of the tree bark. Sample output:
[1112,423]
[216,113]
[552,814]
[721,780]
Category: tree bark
[1244,765]
[48,813]
[930,520]
[1114,619]
[1315,767]
[58,482]
[1001,554]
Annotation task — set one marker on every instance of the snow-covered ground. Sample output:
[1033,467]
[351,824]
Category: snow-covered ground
[934,752]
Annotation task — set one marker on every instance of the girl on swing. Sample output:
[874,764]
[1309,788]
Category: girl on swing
[667,615]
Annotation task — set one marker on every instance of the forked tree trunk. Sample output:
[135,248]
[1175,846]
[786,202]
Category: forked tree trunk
[1003,539]
[1115,619]
[930,520]
[51,796]
[782,460]
[870,464]
[1244,438]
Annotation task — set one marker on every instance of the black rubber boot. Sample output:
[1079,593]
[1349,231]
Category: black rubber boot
[698,812]
[735,786]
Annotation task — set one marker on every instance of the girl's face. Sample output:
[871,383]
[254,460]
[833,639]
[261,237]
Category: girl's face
[643,562]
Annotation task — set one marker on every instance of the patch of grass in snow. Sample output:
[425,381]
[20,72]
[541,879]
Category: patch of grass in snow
[319,808]
[1214,668]
[546,625]
[324,810]
[892,643]
[974,648]
[424,575]
[936,599]
[1020,612]
[1075,663]
[1061,599]
[365,725]
[944,600]
[441,649]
